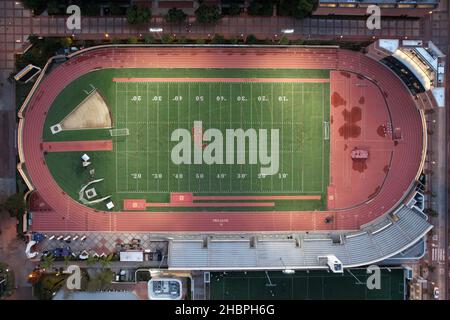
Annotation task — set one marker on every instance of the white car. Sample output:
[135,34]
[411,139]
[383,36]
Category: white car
[436,293]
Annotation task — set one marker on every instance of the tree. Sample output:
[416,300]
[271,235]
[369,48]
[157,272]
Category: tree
[133,40]
[284,41]
[235,9]
[47,261]
[66,260]
[218,39]
[298,9]
[200,41]
[66,42]
[91,260]
[114,9]
[90,8]
[14,204]
[137,15]
[166,38]
[38,6]
[100,281]
[53,8]
[105,261]
[431,212]
[260,8]
[207,14]
[251,39]
[149,39]
[175,15]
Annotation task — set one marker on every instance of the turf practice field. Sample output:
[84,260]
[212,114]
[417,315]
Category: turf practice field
[317,285]
[142,165]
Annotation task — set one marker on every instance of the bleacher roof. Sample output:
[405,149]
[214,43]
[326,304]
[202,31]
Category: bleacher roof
[375,243]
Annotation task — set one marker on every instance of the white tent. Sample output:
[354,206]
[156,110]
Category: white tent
[30,255]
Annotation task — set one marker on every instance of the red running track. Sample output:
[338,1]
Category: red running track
[68,215]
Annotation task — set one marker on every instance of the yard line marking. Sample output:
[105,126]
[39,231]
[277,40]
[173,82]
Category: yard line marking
[302,136]
[137,135]
[323,140]
[178,119]
[168,137]
[126,140]
[116,148]
[146,140]
[157,134]
[189,118]
[292,138]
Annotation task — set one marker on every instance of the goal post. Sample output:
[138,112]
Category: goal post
[119,132]
[326,130]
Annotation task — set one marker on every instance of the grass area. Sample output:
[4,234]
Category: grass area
[315,285]
[140,165]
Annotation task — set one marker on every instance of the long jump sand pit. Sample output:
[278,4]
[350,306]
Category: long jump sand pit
[91,113]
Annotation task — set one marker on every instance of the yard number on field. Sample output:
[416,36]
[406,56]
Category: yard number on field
[136,175]
[136,98]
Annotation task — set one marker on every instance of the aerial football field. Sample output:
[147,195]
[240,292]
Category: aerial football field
[295,103]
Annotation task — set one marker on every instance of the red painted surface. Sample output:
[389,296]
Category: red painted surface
[358,111]
[65,146]
[68,215]
[134,204]
[181,197]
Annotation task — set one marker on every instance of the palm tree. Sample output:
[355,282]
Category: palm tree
[91,260]
[105,261]
[47,261]
[66,260]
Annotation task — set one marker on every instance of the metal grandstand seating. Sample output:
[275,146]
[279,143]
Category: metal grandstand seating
[374,243]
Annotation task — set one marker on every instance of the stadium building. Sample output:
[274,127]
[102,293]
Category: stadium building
[97,132]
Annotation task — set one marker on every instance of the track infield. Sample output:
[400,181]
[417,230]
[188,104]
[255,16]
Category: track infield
[140,166]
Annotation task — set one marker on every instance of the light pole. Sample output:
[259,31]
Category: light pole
[156,30]
[286,270]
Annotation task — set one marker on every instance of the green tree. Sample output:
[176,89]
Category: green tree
[100,281]
[47,261]
[149,39]
[166,38]
[106,261]
[200,41]
[133,40]
[38,6]
[53,8]
[235,9]
[260,8]
[298,9]
[115,9]
[175,15]
[91,260]
[66,260]
[218,39]
[207,14]
[251,39]
[431,212]
[137,15]
[66,42]
[284,41]
[14,204]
